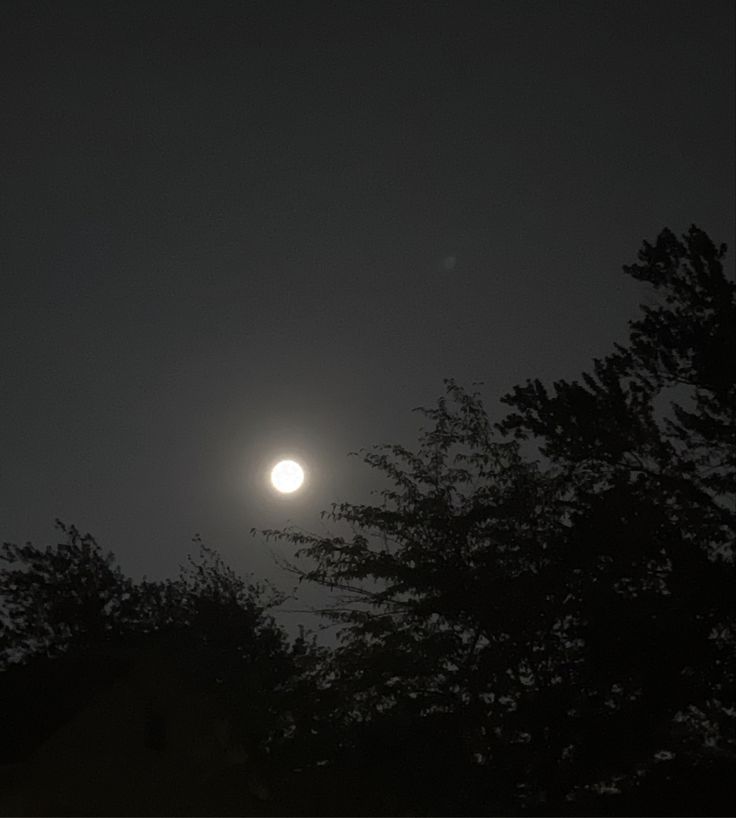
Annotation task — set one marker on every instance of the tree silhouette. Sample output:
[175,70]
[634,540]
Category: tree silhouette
[447,608]
[238,649]
[565,631]
[71,593]
[72,599]
[653,526]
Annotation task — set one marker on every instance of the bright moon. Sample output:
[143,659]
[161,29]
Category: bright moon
[287,476]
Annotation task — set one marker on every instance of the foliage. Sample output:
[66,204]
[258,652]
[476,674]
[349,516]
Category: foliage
[239,651]
[653,527]
[74,596]
[446,605]
[568,630]
[69,593]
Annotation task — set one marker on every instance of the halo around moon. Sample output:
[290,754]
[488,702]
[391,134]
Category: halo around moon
[287,476]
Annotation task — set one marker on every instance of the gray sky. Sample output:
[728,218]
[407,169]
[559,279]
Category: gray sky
[232,230]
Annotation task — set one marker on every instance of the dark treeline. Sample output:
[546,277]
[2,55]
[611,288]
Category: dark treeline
[515,637]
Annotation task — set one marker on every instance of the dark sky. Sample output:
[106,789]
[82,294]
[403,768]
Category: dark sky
[232,230]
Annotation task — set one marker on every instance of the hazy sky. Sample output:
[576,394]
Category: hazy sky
[236,229]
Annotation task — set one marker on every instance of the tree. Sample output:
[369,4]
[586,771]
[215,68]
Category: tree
[74,597]
[654,524]
[239,651]
[69,593]
[567,629]
[444,593]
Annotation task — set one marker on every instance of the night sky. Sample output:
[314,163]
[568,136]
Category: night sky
[232,231]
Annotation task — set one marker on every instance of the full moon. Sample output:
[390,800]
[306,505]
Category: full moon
[287,476]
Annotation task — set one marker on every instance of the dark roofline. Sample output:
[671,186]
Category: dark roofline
[40,695]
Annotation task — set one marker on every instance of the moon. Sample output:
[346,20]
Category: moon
[287,476]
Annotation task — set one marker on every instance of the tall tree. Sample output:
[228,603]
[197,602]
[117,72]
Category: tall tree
[647,444]
[444,596]
[566,632]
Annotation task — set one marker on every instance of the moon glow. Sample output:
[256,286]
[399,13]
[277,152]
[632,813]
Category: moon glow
[287,476]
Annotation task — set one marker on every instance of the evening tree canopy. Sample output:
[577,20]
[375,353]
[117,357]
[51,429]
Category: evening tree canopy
[542,636]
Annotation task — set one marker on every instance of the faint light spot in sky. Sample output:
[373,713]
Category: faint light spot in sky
[449,263]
